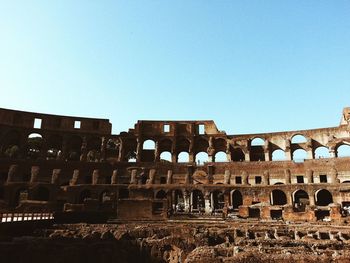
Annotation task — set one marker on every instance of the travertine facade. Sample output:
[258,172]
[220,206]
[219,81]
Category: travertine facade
[71,164]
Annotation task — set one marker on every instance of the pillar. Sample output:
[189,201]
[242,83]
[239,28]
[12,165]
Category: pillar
[83,149]
[138,150]
[34,174]
[103,149]
[95,176]
[187,197]
[207,207]
[114,179]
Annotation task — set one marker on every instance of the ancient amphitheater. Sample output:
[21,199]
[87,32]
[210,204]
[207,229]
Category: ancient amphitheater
[171,191]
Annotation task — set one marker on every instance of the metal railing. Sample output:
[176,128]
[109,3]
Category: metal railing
[17,217]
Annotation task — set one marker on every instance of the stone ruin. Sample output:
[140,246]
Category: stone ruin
[266,190]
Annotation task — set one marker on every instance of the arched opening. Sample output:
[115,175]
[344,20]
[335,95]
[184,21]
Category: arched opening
[278,155]
[84,195]
[41,194]
[237,155]
[94,149]
[179,201]
[201,158]
[322,152]
[54,147]
[257,142]
[149,145]
[278,197]
[218,200]
[257,150]
[183,157]
[323,197]
[148,151]
[35,143]
[301,198]
[11,144]
[123,194]
[74,148]
[220,145]
[161,194]
[129,146]
[220,157]
[346,182]
[343,151]
[131,157]
[165,157]
[299,155]
[21,195]
[298,138]
[278,183]
[197,200]
[236,199]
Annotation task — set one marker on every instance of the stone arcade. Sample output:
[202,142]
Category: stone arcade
[171,169]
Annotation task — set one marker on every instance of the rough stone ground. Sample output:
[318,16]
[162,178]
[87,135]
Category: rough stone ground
[181,242]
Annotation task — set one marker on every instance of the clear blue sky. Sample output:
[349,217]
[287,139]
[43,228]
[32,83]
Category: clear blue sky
[252,66]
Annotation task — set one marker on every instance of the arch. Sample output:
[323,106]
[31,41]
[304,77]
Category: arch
[298,138]
[278,183]
[237,155]
[201,157]
[323,197]
[218,200]
[85,194]
[182,145]
[197,200]
[41,194]
[165,145]
[34,144]
[346,182]
[201,145]
[74,148]
[343,150]
[54,146]
[149,145]
[278,197]
[257,142]
[179,201]
[220,145]
[10,144]
[278,155]
[161,194]
[220,157]
[130,146]
[165,157]
[322,152]
[299,155]
[236,199]
[300,197]
[183,157]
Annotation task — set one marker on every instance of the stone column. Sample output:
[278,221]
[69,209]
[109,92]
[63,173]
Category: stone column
[12,173]
[55,176]
[288,151]
[121,151]
[34,174]
[210,174]
[267,155]
[227,177]
[156,152]
[133,177]
[138,150]
[75,178]
[95,177]
[309,176]
[169,179]
[245,180]
[288,176]
[187,196]
[311,199]
[211,150]
[103,149]
[114,179]
[266,178]
[207,206]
